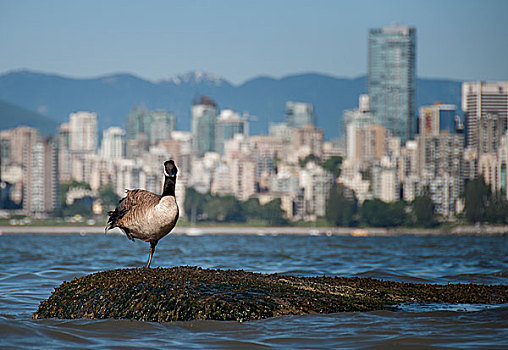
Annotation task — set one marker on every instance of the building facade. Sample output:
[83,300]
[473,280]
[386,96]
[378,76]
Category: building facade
[437,118]
[228,125]
[487,101]
[298,114]
[203,118]
[113,143]
[40,195]
[392,79]
[83,132]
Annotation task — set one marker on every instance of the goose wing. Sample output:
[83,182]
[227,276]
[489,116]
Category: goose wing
[131,208]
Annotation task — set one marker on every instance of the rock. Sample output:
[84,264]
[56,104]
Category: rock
[190,293]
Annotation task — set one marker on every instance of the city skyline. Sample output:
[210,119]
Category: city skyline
[242,41]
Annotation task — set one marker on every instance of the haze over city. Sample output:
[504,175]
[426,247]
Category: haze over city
[460,40]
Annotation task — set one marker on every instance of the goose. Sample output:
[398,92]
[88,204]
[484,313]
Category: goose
[145,215]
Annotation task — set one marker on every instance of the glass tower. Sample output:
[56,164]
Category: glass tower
[298,114]
[228,125]
[203,117]
[392,79]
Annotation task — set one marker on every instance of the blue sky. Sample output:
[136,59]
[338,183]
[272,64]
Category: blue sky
[239,40]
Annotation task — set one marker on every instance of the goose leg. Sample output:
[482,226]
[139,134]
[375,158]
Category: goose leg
[152,250]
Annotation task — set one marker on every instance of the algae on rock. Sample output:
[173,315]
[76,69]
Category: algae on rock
[190,293]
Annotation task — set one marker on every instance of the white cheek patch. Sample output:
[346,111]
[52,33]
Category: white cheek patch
[165,172]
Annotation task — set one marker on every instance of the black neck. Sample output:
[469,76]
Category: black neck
[169,186]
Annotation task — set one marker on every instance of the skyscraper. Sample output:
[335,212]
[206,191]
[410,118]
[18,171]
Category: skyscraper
[83,132]
[144,128]
[392,79]
[137,122]
[203,118]
[162,124]
[485,107]
[228,125]
[41,178]
[437,118]
[113,143]
[64,153]
[298,114]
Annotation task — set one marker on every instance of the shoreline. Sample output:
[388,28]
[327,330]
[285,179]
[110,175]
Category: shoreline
[260,231]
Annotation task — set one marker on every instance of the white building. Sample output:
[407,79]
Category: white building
[83,131]
[113,143]
[298,114]
[228,125]
[385,182]
[482,100]
[41,179]
[316,183]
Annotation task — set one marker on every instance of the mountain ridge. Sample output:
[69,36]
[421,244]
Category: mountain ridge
[112,96]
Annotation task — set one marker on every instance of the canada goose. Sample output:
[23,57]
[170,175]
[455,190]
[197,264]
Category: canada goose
[145,215]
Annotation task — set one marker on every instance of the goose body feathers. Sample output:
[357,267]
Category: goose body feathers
[145,215]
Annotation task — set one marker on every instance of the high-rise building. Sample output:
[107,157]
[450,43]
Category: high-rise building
[113,143]
[138,122]
[365,140]
[41,179]
[228,125]
[144,128]
[392,79]
[437,118]
[385,182]
[316,183]
[162,125]
[487,101]
[64,153]
[491,129]
[203,118]
[298,114]
[502,166]
[83,132]
[441,169]
[17,143]
[308,140]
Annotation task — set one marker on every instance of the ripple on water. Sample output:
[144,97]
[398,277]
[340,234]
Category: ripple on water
[32,265]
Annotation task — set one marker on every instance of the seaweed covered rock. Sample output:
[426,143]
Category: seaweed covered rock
[190,293]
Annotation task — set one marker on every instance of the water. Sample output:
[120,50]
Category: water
[33,265]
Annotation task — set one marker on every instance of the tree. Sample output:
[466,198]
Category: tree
[332,165]
[339,209]
[477,194]
[497,209]
[65,187]
[224,208]
[81,206]
[380,214]
[108,196]
[423,209]
[252,209]
[194,203]
[309,158]
[273,214]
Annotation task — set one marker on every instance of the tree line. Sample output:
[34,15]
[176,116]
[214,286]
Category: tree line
[481,205]
[227,208]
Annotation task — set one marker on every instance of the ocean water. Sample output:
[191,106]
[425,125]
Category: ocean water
[32,265]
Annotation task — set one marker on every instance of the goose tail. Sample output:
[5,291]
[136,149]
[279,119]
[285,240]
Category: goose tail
[111,221]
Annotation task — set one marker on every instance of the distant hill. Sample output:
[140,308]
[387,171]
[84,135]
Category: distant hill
[112,97]
[12,116]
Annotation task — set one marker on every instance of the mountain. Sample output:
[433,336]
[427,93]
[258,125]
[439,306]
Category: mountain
[113,96]
[12,116]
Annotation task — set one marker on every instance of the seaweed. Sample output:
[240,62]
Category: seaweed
[192,293]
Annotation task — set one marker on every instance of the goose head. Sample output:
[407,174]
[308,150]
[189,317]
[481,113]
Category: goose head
[170,170]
